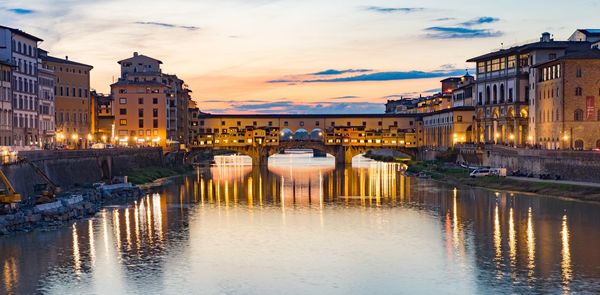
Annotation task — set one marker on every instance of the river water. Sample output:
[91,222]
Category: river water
[303,227]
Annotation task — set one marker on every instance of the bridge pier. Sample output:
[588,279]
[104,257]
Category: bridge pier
[259,155]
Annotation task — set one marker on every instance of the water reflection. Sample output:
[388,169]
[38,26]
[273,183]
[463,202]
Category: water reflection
[298,229]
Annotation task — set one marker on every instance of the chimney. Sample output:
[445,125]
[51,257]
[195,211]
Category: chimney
[545,37]
[66,57]
[135,54]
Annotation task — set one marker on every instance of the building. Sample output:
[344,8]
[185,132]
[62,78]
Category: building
[20,49]
[463,94]
[400,106]
[46,95]
[141,97]
[72,99]
[194,122]
[503,88]
[447,127]
[102,122]
[586,35]
[565,113]
[151,108]
[6,117]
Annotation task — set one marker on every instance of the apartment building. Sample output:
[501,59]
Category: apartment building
[5,103]
[150,107]
[46,105]
[102,123]
[21,49]
[72,99]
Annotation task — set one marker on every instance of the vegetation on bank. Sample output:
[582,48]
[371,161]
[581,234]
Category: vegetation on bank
[150,174]
[384,158]
[458,176]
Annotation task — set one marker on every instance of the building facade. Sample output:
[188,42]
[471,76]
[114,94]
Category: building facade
[150,107]
[102,123]
[46,80]
[448,127]
[72,100]
[6,117]
[21,49]
[567,95]
[503,89]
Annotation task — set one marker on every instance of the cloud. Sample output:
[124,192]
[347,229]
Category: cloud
[390,76]
[345,97]
[460,33]
[290,107]
[480,21]
[167,25]
[21,10]
[380,9]
[441,19]
[339,72]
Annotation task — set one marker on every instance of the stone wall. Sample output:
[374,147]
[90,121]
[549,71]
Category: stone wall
[70,169]
[569,165]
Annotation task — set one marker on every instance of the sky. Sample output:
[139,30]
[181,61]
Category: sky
[293,56]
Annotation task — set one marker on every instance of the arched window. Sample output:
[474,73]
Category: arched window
[495,101]
[487,95]
[579,144]
[501,93]
[578,116]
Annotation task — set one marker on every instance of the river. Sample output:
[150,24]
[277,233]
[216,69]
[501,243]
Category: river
[303,227]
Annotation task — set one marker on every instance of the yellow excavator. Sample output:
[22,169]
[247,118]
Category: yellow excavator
[8,195]
[47,191]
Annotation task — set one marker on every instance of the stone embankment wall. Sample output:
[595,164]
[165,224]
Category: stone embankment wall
[75,168]
[569,165]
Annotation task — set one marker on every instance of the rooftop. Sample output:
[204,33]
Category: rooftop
[19,32]
[53,59]
[136,55]
[571,45]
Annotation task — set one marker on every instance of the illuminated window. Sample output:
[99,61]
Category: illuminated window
[123,122]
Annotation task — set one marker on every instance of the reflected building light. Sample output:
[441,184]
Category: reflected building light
[260,190]
[157,215]
[136,221]
[226,193]
[117,229]
[105,231]
[250,191]
[497,241]
[202,191]
[76,254]
[512,239]
[127,229]
[92,242]
[567,272]
[150,230]
[530,244]
[10,274]
[455,218]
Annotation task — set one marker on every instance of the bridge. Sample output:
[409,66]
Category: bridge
[343,136]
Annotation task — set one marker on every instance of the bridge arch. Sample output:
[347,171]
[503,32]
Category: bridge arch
[316,134]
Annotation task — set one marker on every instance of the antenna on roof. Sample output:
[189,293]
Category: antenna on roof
[502,45]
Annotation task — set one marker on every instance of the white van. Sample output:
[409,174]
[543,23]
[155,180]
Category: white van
[480,172]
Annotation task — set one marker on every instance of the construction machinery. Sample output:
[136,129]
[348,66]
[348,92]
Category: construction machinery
[46,191]
[8,195]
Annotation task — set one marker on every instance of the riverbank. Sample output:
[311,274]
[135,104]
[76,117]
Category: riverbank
[66,208]
[459,176]
[150,174]
[386,155]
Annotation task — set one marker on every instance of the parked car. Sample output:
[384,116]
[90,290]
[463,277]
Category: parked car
[480,172]
[98,146]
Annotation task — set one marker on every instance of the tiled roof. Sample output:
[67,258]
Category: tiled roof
[53,59]
[570,45]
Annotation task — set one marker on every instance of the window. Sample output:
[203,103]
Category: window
[512,61]
[122,111]
[578,91]
[155,123]
[155,100]
[141,123]
[578,73]
[122,100]
[141,100]
[123,122]
[239,123]
[578,116]
[458,118]
[285,123]
[140,113]
[270,123]
[301,123]
[155,114]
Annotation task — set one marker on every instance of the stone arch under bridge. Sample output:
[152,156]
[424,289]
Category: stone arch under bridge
[260,154]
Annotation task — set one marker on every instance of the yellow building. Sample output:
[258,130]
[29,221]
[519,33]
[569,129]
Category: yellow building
[448,127]
[72,100]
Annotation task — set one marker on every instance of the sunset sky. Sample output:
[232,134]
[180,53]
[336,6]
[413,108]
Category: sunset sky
[300,56]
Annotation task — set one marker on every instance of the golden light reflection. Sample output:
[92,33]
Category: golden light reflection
[157,214]
[565,265]
[530,245]
[91,242]
[512,239]
[10,274]
[127,229]
[76,254]
[117,228]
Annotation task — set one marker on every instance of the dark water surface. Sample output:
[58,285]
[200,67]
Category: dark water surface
[303,227]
